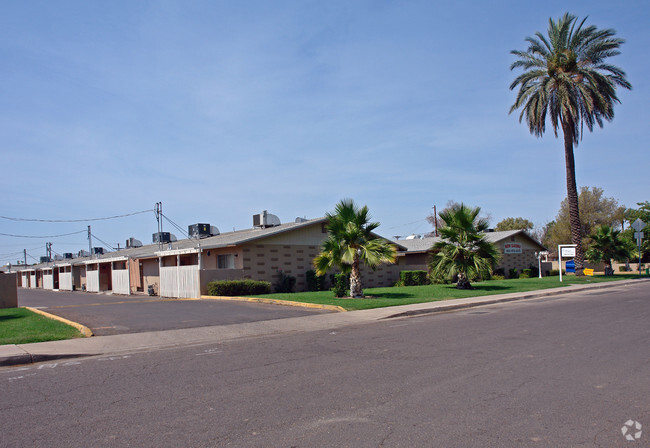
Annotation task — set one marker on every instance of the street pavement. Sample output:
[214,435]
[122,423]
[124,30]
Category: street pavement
[563,370]
[107,314]
[143,341]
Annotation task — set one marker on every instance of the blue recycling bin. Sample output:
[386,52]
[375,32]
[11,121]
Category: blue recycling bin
[570,266]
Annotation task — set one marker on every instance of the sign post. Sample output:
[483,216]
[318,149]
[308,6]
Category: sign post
[638,225]
[566,251]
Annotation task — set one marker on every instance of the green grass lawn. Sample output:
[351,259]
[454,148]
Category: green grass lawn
[21,326]
[405,295]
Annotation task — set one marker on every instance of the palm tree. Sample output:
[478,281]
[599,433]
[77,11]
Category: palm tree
[606,246]
[566,77]
[463,249]
[350,242]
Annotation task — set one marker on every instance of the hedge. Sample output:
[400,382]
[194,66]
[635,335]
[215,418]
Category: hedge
[413,278]
[244,287]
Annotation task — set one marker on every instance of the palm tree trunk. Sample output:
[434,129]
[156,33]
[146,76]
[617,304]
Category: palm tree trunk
[355,279]
[572,196]
[463,281]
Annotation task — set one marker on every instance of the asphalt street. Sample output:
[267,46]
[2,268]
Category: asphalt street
[107,314]
[563,371]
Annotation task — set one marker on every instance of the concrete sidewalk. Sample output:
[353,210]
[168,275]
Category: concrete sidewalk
[135,342]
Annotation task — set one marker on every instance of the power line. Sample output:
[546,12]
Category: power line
[175,225]
[108,246]
[44,236]
[75,220]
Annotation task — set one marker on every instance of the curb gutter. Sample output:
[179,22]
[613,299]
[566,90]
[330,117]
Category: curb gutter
[278,302]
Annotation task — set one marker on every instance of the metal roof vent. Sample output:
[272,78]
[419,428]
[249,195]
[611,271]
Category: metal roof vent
[265,219]
[132,242]
[299,219]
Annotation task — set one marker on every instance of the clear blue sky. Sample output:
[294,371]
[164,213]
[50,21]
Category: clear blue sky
[223,109]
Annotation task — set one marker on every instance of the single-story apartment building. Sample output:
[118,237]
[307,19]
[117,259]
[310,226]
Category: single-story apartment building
[517,248]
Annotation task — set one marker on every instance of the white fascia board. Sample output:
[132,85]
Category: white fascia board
[167,253]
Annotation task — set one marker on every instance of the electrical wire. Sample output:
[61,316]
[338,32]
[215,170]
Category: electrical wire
[176,225]
[45,236]
[75,220]
[106,245]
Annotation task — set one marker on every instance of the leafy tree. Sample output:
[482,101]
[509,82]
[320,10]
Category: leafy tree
[463,249]
[567,78]
[350,242]
[606,245]
[595,210]
[514,224]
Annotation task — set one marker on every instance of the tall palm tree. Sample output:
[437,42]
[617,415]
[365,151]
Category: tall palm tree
[566,76]
[463,249]
[606,246]
[350,242]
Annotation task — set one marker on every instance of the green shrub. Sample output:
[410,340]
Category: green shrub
[500,272]
[315,282]
[525,273]
[497,277]
[340,285]
[512,273]
[413,278]
[243,287]
[554,272]
[285,283]
[622,268]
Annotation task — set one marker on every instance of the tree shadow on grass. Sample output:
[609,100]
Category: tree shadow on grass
[488,288]
[391,295]
[10,317]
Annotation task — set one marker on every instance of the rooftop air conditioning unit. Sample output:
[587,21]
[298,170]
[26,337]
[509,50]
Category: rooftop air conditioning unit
[132,242]
[412,236]
[265,219]
[45,259]
[161,237]
[202,230]
[98,250]
[299,219]
[83,253]
[67,255]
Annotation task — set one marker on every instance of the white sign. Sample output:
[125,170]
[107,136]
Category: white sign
[638,236]
[638,225]
[512,248]
[568,252]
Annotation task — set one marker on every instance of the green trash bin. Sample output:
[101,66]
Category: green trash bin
[647,271]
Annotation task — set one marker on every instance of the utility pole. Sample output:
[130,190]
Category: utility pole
[435,221]
[25,254]
[48,251]
[158,212]
[90,243]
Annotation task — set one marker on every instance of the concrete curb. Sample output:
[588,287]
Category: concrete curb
[85,331]
[278,302]
[503,298]
[159,340]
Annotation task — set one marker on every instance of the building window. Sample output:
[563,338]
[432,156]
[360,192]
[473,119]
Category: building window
[226,261]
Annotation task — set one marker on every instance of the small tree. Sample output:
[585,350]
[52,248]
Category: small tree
[463,251]
[606,246]
[514,224]
[350,242]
